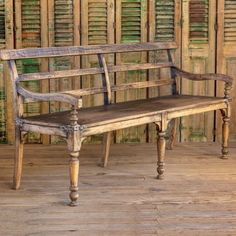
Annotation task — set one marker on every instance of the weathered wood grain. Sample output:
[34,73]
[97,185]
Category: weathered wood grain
[79,123]
[82,50]
[91,71]
[124,199]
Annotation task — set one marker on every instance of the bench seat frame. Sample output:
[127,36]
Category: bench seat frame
[74,133]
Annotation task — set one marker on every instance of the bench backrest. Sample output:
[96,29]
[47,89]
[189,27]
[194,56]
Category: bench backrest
[103,69]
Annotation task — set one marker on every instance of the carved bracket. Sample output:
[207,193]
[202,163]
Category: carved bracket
[19,122]
[72,128]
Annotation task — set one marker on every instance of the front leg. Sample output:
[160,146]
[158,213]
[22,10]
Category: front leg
[161,147]
[74,177]
[225,132]
[172,135]
[74,142]
[161,128]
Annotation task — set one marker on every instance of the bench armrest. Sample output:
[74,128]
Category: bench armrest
[201,77]
[58,97]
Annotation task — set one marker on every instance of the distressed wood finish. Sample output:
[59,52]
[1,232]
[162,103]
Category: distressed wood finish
[79,123]
[197,197]
[28,53]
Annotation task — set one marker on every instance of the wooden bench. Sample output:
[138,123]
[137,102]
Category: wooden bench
[78,123]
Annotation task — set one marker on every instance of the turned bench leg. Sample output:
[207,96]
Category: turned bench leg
[74,177]
[161,145]
[19,145]
[225,133]
[74,146]
[161,148]
[74,142]
[106,148]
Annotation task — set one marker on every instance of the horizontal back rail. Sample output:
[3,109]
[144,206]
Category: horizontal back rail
[97,90]
[82,50]
[114,88]
[91,71]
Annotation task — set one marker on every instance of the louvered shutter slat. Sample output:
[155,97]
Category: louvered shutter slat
[97,22]
[2,88]
[230,21]
[198,15]
[131,21]
[63,23]
[165,23]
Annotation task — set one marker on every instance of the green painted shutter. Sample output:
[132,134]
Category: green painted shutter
[64,23]
[30,37]
[2,23]
[63,35]
[97,22]
[131,21]
[226,57]
[199,21]
[165,20]
[198,56]
[2,84]
[97,27]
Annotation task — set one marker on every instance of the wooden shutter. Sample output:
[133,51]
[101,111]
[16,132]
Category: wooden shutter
[62,35]
[32,31]
[28,34]
[6,41]
[165,20]
[64,21]
[97,27]
[226,55]
[164,26]
[3,135]
[131,27]
[198,56]
[131,21]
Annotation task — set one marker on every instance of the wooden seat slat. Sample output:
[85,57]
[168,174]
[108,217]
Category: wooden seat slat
[91,71]
[15,54]
[118,112]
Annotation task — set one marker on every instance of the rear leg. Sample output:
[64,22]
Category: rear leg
[106,148]
[18,165]
[161,145]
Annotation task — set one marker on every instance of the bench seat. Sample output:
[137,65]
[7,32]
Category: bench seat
[131,110]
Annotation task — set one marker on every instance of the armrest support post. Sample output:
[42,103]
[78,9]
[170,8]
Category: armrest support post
[227,89]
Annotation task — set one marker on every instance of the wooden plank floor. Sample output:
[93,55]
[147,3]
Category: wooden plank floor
[197,196]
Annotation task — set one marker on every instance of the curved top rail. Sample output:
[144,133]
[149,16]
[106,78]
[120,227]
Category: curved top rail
[27,53]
